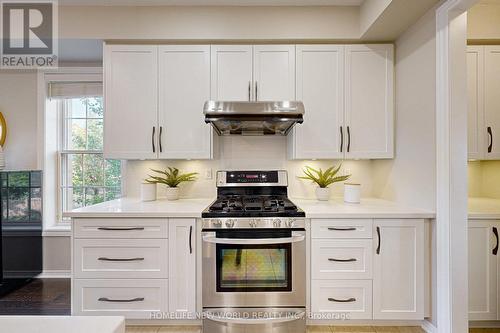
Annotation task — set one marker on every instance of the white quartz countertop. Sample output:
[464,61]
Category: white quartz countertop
[368,208]
[484,208]
[134,207]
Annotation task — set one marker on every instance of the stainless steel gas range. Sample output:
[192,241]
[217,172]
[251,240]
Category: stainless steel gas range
[254,256]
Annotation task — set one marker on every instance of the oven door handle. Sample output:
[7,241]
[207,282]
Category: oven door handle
[250,241]
[249,321]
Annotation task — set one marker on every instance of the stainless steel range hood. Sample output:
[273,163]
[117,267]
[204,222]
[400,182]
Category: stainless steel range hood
[253,118]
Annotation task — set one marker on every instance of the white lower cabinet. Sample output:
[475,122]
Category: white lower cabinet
[342,297]
[368,268]
[483,274]
[133,267]
[182,281]
[398,270]
[134,299]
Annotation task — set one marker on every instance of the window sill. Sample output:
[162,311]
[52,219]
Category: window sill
[57,231]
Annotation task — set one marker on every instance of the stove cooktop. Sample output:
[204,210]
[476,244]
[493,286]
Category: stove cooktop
[253,206]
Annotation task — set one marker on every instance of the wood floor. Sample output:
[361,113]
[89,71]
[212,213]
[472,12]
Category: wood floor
[52,297]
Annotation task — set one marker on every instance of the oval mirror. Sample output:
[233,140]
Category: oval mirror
[3,130]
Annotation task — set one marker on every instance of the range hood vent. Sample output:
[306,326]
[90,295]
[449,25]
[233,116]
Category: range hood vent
[253,118]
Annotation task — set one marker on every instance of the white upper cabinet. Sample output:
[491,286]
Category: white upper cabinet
[492,102]
[232,68]
[184,86]
[130,101]
[320,86]
[274,72]
[369,101]
[398,270]
[482,271]
[348,95]
[475,105]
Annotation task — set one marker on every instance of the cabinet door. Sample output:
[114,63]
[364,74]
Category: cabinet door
[491,129]
[131,100]
[231,72]
[475,106]
[274,72]
[184,88]
[398,270]
[482,271]
[320,85]
[182,265]
[369,101]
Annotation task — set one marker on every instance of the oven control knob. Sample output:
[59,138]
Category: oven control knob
[216,223]
[230,223]
[290,223]
[253,223]
[276,223]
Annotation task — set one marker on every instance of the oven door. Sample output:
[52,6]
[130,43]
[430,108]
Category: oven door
[254,268]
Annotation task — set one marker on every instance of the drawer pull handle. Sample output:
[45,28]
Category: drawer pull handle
[120,259]
[105,299]
[343,260]
[342,229]
[120,229]
[348,300]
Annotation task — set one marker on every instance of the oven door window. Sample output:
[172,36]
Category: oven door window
[254,268]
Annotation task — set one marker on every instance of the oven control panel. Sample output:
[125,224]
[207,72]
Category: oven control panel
[252,178]
[255,223]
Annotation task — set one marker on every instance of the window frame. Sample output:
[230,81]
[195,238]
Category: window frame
[54,223]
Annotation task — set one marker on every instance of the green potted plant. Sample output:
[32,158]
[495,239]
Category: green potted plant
[324,179]
[172,178]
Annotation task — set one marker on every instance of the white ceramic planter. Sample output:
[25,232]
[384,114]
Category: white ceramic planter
[172,193]
[352,193]
[323,194]
[148,192]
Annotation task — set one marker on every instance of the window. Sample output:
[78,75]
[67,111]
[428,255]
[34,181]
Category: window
[86,177]
[75,173]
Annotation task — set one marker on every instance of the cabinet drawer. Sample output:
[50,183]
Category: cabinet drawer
[134,299]
[120,258]
[351,297]
[342,259]
[341,228]
[120,228]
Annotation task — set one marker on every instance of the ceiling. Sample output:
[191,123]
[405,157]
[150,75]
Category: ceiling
[210,2]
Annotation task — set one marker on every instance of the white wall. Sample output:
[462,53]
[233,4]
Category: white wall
[187,22]
[483,21]
[411,177]
[249,153]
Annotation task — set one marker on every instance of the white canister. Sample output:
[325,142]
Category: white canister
[352,193]
[148,191]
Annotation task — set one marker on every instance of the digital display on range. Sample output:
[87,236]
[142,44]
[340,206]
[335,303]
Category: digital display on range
[252,177]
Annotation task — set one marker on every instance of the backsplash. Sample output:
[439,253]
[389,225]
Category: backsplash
[247,153]
[484,179]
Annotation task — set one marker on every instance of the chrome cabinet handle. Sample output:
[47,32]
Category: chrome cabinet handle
[256,95]
[341,139]
[490,134]
[342,260]
[159,139]
[249,91]
[348,139]
[119,259]
[119,228]
[342,229]
[379,240]
[153,139]
[105,299]
[495,232]
[348,300]
[190,239]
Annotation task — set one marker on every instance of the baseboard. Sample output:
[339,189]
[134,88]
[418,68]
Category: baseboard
[55,274]
[428,326]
